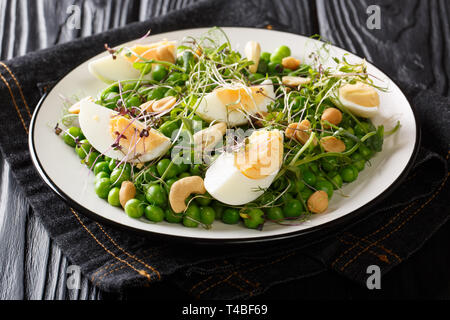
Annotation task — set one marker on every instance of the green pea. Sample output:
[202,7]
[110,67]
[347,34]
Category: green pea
[255,77]
[326,186]
[92,158]
[309,177]
[218,209]
[168,128]
[207,215]
[329,163]
[156,195]
[196,170]
[275,214]
[280,53]
[128,87]
[188,60]
[134,208]
[274,68]
[349,173]
[293,209]
[203,200]
[113,197]
[163,165]
[265,56]
[184,175]
[314,167]
[102,187]
[263,67]
[111,99]
[100,175]
[192,216]
[336,179]
[172,217]
[171,93]
[133,101]
[230,216]
[101,166]
[169,183]
[159,72]
[182,167]
[157,93]
[112,164]
[120,175]
[151,173]
[365,152]
[305,194]
[71,134]
[140,196]
[255,218]
[358,161]
[154,213]
[177,78]
[83,148]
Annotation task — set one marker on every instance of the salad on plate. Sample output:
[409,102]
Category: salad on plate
[195,131]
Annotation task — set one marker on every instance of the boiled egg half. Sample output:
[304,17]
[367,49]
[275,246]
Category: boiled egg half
[236,178]
[234,104]
[120,66]
[102,128]
[360,98]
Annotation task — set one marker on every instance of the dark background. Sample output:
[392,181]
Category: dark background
[412,45]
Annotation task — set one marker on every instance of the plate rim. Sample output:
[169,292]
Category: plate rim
[333,224]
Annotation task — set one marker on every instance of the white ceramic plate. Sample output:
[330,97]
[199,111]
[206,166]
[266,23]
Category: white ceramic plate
[60,167]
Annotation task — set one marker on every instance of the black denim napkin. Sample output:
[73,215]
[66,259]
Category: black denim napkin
[116,260]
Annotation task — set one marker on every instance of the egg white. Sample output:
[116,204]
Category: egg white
[358,110]
[110,70]
[211,108]
[95,124]
[227,184]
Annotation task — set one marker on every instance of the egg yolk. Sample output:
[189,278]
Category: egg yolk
[131,140]
[262,156]
[161,51]
[360,94]
[240,98]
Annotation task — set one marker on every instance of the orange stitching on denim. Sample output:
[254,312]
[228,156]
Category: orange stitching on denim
[250,292]
[249,270]
[141,272]
[14,103]
[129,254]
[377,245]
[383,227]
[402,224]
[382,257]
[19,87]
[253,284]
[215,284]
[373,233]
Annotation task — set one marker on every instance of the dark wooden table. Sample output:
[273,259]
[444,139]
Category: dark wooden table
[412,44]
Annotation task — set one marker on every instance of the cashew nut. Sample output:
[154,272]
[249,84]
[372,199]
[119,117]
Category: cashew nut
[318,202]
[300,131]
[332,144]
[332,115]
[206,139]
[253,53]
[290,63]
[292,81]
[127,192]
[158,106]
[182,189]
